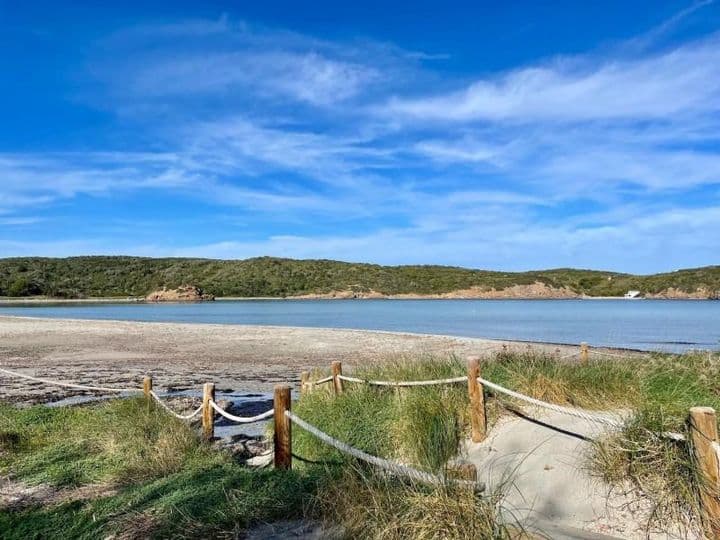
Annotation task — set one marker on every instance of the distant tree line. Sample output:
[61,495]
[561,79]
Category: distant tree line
[78,277]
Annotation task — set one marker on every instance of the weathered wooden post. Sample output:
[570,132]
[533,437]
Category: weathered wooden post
[304,382]
[478,420]
[336,369]
[584,352]
[147,386]
[282,439]
[704,435]
[208,414]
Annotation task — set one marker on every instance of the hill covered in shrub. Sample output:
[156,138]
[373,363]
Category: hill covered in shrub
[78,277]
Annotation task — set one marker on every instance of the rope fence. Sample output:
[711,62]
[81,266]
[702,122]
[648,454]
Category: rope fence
[240,419]
[571,411]
[66,384]
[404,384]
[702,432]
[391,467]
[176,415]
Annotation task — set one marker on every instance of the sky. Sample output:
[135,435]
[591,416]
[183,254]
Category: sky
[504,136]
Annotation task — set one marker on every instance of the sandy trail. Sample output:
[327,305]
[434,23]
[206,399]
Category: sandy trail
[548,486]
[181,356]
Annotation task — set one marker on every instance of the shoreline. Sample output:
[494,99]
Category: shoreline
[183,356]
[20,301]
[239,326]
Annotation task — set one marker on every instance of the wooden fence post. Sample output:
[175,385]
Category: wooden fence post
[478,420]
[282,439]
[304,379]
[208,414]
[147,386]
[336,368]
[704,432]
[584,352]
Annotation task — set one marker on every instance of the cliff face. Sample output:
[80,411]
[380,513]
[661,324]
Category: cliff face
[186,293]
[672,293]
[534,290]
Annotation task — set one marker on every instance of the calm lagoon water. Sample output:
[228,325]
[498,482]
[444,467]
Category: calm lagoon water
[668,325]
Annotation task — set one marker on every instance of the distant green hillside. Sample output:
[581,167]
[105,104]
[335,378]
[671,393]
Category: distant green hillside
[265,276]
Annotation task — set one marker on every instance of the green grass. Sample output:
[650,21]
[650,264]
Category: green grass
[83,445]
[167,483]
[423,426]
[201,500]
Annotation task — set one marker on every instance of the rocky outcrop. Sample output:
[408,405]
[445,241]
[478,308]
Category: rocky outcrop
[341,295]
[185,293]
[533,290]
[529,291]
[671,293]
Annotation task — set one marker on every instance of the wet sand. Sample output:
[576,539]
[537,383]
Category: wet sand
[183,356]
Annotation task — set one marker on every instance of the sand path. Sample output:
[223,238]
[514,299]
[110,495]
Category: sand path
[543,470]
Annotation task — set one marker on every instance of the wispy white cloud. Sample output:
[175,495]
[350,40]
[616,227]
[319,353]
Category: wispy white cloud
[682,80]
[330,146]
[306,77]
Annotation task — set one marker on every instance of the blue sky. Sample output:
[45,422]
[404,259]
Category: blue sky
[515,136]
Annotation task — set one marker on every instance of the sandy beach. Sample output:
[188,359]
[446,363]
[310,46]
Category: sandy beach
[182,356]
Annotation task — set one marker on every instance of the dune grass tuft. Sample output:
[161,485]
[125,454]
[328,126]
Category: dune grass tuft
[422,426]
[370,506]
[117,442]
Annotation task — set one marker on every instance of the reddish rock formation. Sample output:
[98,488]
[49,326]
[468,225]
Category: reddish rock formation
[185,293]
[671,293]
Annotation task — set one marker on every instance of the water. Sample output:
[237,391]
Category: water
[667,325]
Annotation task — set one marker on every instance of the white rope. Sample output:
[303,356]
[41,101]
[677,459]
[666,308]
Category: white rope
[322,381]
[404,383]
[68,385]
[579,413]
[176,415]
[628,355]
[673,435]
[390,466]
[241,419]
